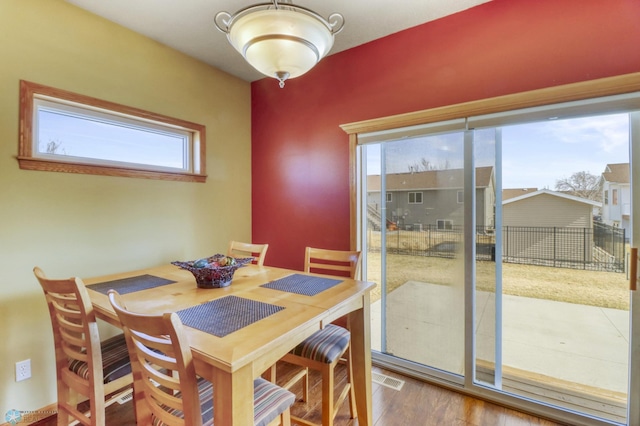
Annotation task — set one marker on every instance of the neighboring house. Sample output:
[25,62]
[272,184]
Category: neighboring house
[434,198]
[516,192]
[616,196]
[537,225]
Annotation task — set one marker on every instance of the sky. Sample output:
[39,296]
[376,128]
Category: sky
[534,155]
[103,140]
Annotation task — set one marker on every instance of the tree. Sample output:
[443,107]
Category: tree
[425,165]
[53,147]
[582,184]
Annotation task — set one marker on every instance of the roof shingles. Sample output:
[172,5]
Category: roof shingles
[431,179]
[618,173]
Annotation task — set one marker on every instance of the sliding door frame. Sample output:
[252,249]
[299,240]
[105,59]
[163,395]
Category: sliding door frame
[582,91]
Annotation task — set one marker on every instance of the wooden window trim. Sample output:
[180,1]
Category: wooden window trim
[610,86]
[27,161]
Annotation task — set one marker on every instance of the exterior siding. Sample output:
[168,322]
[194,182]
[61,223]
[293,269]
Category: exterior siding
[535,228]
[547,210]
[436,205]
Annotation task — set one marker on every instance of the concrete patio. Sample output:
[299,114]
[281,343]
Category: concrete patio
[570,352]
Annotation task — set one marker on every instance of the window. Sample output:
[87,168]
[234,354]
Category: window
[67,132]
[389,197]
[444,224]
[606,197]
[415,198]
[614,197]
[380,252]
[460,197]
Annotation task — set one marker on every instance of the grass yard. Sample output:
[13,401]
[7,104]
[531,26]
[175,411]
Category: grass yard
[603,289]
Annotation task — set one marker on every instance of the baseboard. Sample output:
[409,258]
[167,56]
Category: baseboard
[34,417]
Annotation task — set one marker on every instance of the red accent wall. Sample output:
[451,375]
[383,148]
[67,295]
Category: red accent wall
[300,162]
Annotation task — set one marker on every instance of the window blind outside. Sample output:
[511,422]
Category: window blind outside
[412,131]
[608,105]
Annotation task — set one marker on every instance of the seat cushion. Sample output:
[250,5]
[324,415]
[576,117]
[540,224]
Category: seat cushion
[115,360]
[269,402]
[325,345]
[205,393]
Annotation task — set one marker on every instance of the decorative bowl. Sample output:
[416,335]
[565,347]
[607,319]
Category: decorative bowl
[209,273]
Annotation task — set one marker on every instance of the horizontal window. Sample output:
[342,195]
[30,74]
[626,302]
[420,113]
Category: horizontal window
[68,132]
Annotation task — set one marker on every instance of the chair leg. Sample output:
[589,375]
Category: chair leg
[270,374]
[327,395]
[63,396]
[286,418]
[98,406]
[305,385]
[352,393]
[303,375]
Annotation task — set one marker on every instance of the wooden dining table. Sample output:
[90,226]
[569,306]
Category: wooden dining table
[233,360]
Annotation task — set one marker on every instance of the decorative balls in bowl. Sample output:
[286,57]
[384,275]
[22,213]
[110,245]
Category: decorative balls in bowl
[215,271]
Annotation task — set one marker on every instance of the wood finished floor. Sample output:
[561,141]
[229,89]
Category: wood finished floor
[417,403]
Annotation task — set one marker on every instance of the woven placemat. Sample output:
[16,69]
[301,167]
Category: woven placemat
[306,285]
[129,285]
[226,315]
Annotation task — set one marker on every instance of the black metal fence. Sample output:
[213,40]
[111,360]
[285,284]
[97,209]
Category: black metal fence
[601,248]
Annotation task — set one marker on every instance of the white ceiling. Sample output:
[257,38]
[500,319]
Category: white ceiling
[187,25]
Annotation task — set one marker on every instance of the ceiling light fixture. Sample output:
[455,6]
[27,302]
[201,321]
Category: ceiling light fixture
[280,39]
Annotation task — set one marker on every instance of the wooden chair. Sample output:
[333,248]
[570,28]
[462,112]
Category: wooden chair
[166,388]
[257,251]
[85,367]
[325,348]
[332,262]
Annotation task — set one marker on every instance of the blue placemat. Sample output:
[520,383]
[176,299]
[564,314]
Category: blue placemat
[306,285]
[226,315]
[130,285]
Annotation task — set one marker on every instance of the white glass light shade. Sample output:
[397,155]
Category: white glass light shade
[280,41]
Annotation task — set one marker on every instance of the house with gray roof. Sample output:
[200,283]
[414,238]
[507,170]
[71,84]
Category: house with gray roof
[431,198]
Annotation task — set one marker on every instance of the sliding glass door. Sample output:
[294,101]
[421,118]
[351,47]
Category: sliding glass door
[501,257]
[414,228]
[565,231]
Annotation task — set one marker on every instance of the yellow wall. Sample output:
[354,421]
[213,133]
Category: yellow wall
[72,224]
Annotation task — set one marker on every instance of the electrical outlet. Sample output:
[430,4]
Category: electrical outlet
[23,370]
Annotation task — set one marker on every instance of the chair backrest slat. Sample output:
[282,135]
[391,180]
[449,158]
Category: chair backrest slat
[240,249]
[76,338]
[332,262]
[160,353]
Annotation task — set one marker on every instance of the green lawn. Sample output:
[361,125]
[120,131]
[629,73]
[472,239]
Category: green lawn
[603,289]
